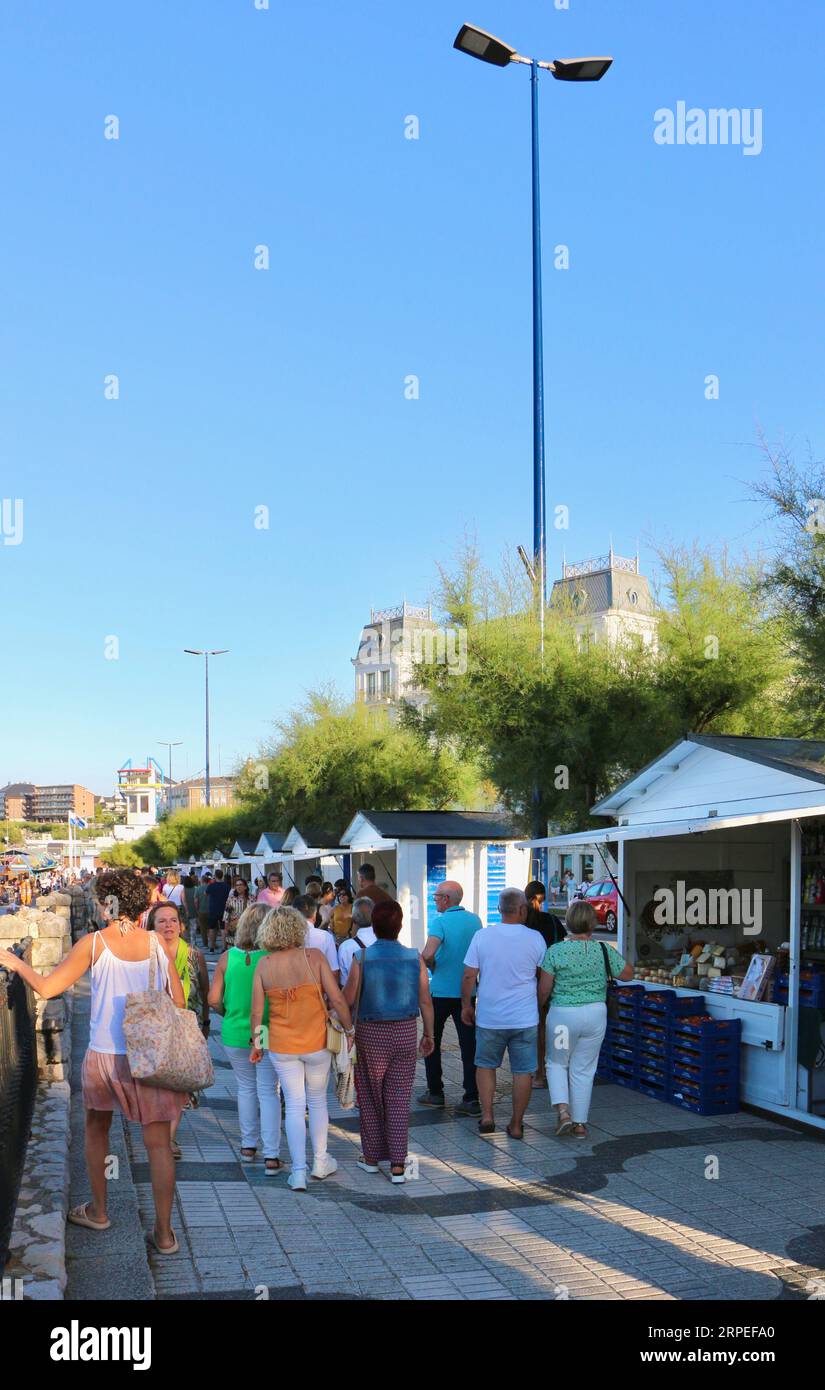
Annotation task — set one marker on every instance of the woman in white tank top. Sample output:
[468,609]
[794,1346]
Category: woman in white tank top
[118,957]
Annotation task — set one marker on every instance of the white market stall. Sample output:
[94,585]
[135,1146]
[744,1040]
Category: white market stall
[309,851]
[739,823]
[412,851]
[268,853]
[243,861]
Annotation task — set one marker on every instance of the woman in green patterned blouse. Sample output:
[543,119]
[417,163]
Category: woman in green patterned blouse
[574,978]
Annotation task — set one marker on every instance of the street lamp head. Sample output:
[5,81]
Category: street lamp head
[580,69]
[479,44]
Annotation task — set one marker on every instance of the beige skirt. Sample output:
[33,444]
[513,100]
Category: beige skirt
[108,1084]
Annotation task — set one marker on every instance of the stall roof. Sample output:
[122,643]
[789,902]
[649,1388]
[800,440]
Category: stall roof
[434,825]
[658,830]
[307,838]
[800,756]
[271,841]
[241,848]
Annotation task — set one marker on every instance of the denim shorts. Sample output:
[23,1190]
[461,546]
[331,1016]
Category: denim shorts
[520,1044]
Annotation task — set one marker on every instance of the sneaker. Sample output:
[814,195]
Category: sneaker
[468,1107]
[427,1098]
[367,1167]
[397,1178]
[297,1180]
[324,1166]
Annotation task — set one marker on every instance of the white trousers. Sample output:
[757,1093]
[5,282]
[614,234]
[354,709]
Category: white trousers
[259,1102]
[303,1078]
[574,1039]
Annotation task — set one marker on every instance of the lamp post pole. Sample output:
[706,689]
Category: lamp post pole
[206,655]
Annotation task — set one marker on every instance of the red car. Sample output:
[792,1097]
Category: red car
[603,897]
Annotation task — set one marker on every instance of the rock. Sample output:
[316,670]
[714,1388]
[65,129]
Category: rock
[44,1288]
[51,1226]
[47,1259]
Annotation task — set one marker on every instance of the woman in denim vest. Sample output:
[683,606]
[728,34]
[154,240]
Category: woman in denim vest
[395,989]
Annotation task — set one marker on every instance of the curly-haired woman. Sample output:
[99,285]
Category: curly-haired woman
[118,957]
[293,981]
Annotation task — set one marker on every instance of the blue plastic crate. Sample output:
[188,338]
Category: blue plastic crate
[722,1103]
[655,1047]
[630,995]
[656,1088]
[706,1073]
[811,990]
[667,1005]
[709,1030]
[720,1055]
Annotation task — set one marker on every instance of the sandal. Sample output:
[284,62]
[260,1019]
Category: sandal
[564,1125]
[580,1131]
[248,1155]
[164,1249]
[486,1126]
[176,1151]
[79,1216]
[272,1166]
[515,1136]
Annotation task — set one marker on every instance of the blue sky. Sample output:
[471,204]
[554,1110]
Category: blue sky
[389,257]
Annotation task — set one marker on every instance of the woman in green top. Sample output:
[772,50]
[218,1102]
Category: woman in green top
[167,920]
[259,1094]
[574,977]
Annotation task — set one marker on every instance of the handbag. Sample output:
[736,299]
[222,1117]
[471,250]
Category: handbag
[336,1042]
[345,1063]
[612,998]
[164,1044]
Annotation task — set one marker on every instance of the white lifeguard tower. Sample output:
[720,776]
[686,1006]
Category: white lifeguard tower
[142,792]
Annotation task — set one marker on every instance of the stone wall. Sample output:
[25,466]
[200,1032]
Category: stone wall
[48,925]
[37,1263]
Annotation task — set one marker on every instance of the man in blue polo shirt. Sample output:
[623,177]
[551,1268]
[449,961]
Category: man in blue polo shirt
[446,946]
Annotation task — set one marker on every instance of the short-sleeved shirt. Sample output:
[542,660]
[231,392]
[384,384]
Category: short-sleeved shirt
[216,896]
[350,948]
[578,967]
[319,940]
[455,929]
[507,956]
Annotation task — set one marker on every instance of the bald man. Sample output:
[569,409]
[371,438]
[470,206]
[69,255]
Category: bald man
[444,951]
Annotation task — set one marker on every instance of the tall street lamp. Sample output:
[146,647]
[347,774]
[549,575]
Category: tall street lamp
[206,656]
[164,743]
[477,43]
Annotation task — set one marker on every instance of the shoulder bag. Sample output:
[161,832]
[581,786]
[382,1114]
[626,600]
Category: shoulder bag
[336,1038]
[612,998]
[164,1044]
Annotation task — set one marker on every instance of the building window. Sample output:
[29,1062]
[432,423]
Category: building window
[371,685]
[144,805]
[133,803]
[385,682]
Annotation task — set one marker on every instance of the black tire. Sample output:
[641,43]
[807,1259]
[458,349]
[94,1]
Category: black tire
[610,921]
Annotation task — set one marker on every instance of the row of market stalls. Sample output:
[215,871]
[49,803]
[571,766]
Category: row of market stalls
[411,851]
[720,843]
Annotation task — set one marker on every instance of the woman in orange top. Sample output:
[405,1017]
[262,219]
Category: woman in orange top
[292,979]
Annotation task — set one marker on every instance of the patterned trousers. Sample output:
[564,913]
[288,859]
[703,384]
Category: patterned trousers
[384,1076]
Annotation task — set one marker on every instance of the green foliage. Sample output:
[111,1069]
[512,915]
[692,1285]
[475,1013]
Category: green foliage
[121,856]
[331,758]
[197,832]
[597,712]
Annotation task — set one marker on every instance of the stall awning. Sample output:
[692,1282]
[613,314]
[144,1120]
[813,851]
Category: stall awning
[654,830]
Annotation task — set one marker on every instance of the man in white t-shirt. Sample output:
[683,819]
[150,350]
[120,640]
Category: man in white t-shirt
[503,962]
[361,929]
[316,937]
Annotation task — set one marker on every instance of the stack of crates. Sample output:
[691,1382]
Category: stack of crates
[811,989]
[661,1010]
[705,1065]
[619,1057]
[667,1046]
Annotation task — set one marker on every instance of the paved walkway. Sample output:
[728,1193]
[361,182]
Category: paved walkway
[627,1214]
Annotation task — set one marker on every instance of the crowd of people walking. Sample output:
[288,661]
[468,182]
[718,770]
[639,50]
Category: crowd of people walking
[305,980]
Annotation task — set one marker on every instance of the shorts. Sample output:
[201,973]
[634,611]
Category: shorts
[520,1044]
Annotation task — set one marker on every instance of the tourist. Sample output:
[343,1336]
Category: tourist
[570,886]
[166,919]
[394,991]
[368,888]
[551,929]
[202,907]
[217,893]
[290,894]
[342,917]
[259,1096]
[313,884]
[190,886]
[326,906]
[361,936]
[574,978]
[502,963]
[173,889]
[118,957]
[236,905]
[272,894]
[316,937]
[447,944]
[294,980]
